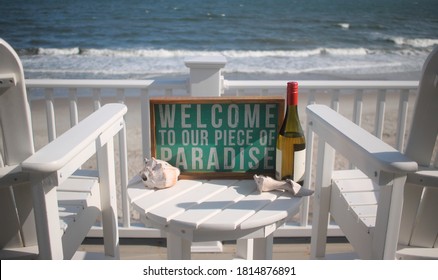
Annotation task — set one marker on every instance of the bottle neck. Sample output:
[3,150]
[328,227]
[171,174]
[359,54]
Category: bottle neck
[292,111]
[292,98]
[291,126]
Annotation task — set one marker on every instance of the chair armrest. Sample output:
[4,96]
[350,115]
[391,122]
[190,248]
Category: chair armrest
[363,149]
[63,149]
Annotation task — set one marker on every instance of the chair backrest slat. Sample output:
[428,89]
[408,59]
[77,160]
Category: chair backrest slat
[15,117]
[16,208]
[424,128]
[425,231]
[419,225]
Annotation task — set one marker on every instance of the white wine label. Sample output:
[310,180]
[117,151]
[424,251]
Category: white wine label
[299,165]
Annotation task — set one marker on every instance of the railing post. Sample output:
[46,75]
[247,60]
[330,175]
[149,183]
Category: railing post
[205,75]
[74,116]
[50,113]
[304,212]
[380,116]
[402,119]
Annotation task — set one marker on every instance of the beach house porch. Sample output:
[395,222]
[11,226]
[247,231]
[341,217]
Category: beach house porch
[382,107]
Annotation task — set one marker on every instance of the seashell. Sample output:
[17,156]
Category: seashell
[158,174]
[266,184]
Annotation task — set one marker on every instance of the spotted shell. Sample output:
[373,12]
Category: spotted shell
[158,174]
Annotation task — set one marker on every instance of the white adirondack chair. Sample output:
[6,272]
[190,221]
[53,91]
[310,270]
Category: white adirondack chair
[388,206]
[47,205]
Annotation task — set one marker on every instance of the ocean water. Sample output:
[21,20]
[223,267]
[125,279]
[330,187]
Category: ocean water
[302,39]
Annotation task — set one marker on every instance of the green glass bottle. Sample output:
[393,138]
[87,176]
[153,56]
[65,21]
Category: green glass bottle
[291,144]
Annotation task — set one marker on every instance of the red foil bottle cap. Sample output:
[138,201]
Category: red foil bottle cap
[292,93]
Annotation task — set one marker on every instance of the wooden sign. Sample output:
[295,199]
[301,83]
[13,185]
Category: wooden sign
[226,137]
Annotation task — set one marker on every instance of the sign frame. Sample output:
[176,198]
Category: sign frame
[187,102]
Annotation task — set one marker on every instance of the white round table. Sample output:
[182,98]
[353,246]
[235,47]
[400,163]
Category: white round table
[214,210]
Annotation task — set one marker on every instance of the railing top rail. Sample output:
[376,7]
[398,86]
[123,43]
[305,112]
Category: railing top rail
[236,84]
[102,83]
[321,84]
[182,83]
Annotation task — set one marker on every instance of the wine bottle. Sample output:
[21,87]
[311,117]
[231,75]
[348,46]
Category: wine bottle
[291,144]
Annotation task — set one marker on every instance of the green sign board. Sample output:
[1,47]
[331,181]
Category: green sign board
[212,136]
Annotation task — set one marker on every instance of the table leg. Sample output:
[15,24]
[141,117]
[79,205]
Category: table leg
[255,249]
[263,248]
[245,249]
[178,248]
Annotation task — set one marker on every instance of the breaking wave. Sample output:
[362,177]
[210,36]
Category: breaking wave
[165,53]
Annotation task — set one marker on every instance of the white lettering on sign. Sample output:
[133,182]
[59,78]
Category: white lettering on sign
[185,116]
[167,116]
[194,137]
[233,115]
[252,120]
[199,117]
[270,120]
[215,110]
[251,116]
[195,157]
[220,136]
[233,137]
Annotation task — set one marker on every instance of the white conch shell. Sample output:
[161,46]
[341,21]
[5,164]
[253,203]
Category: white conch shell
[159,174]
[266,184]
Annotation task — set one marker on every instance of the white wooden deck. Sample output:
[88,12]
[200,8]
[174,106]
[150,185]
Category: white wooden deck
[155,249]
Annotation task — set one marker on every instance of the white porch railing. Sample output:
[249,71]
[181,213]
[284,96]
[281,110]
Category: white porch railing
[382,107]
